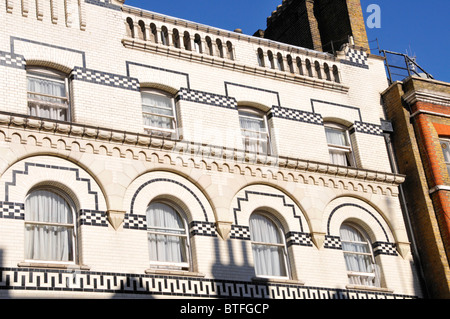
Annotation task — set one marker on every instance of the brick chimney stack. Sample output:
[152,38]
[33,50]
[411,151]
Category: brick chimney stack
[322,25]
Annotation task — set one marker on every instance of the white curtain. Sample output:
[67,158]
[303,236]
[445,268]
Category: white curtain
[269,260]
[254,132]
[446,151]
[338,138]
[48,242]
[157,105]
[358,257]
[52,107]
[167,245]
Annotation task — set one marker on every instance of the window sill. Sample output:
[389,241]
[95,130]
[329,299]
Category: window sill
[172,272]
[368,288]
[49,265]
[278,281]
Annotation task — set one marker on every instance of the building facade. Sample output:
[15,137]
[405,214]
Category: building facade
[418,109]
[148,156]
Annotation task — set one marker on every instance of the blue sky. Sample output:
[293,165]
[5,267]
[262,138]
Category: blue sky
[417,27]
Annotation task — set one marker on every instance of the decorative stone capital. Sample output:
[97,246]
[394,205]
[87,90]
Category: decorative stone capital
[224,229]
[116,218]
[404,249]
[318,239]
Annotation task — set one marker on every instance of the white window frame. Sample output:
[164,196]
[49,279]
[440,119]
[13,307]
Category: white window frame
[185,266]
[445,144]
[71,204]
[155,129]
[49,75]
[347,150]
[374,276]
[280,245]
[252,113]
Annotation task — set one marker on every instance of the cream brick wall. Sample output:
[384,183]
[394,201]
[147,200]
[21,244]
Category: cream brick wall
[120,169]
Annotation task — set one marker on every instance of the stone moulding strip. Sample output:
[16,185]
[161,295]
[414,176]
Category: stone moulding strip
[191,150]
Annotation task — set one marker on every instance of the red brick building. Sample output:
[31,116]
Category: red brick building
[419,109]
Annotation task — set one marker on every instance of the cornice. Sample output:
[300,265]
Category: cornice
[209,157]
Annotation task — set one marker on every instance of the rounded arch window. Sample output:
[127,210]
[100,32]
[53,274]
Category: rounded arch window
[268,247]
[359,259]
[49,226]
[167,236]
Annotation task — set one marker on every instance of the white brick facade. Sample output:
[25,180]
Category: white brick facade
[112,169]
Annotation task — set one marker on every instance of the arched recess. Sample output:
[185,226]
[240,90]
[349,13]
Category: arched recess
[273,201]
[164,185]
[46,170]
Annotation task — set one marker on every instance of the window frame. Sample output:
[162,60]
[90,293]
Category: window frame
[281,245]
[153,129]
[55,76]
[245,111]
[347,149]
[167,265]
[375,276]
[445,141]
[73,226]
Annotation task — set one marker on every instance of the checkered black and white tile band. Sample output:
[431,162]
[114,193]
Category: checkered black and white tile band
[357,56]
[296,115]
[207,98]
[12,210]
[368,128]
[12,60]
[93,218]
[103,78]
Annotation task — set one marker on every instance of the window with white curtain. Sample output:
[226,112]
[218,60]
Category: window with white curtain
[158,111]
[167,236]
[359,260]
[254,131]
[49,227]
[445,145]
[268,246]
[48,94]
[339,145]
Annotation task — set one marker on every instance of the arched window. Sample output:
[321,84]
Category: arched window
[176,38]
[260,57]
[198,44]
[326,69]
[280,64]
[49,226]
[359,260]
[153,33]
[318,70]
[141,30]
[290,63]
[158,111]
[219,48]
[339,146]
[130,27]
[48,95]
[210,46]
[164,36]
[309,68]
[271,61]
[254,130]
[445,146]
[299,66]
[187,41]
[167,236]
[269,250]
[336,74]
[230,53]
